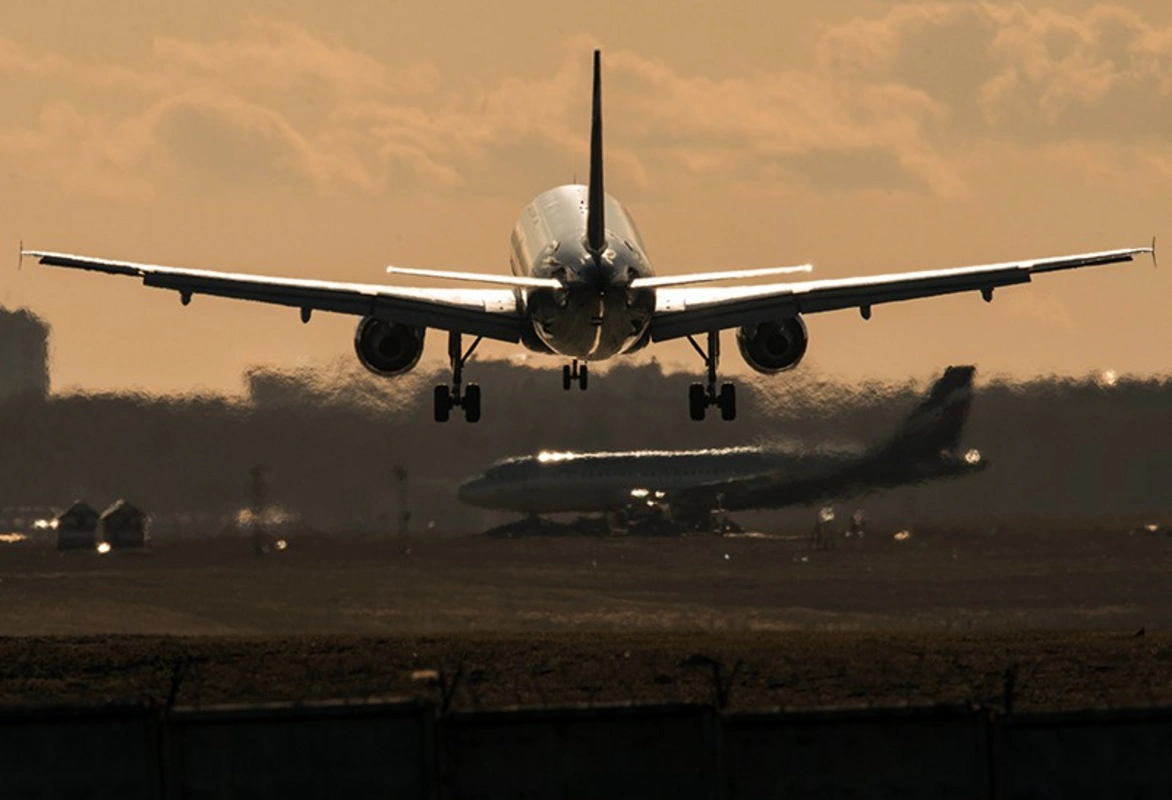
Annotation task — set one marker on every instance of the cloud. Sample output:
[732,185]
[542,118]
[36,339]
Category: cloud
[1034,75]
[897,102]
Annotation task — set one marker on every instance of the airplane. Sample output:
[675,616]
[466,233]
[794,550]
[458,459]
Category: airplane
[582,287]
[696,488]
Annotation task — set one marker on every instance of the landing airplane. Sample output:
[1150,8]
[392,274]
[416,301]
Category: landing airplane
[582,287]
[694,489]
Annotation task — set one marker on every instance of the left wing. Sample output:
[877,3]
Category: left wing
[771,489]
[491,313]
[689,311]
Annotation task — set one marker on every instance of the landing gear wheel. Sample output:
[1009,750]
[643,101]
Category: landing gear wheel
[575,372]
[449,397]
[728,401]
[443,403]
[697,401]
[471,403]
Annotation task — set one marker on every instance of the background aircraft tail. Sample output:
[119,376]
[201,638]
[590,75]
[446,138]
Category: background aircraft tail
[935,426]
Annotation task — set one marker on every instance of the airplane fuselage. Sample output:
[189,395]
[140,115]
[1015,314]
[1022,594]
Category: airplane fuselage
[733,479]
[596,315]
[552,483]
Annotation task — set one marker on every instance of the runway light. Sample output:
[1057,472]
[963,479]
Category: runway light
[901,536]
[281,544]
[103,548]
[1108,378]
[972,457]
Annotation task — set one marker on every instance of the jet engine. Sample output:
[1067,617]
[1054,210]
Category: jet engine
[772,347]
[388,348]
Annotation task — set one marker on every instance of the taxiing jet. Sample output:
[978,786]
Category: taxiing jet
[695,488]
[582,287]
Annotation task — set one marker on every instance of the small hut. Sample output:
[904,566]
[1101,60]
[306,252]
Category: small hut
[123,525]
[77,527]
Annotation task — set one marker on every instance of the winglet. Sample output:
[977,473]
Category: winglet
[20,258]
[595,222]
[1155,263]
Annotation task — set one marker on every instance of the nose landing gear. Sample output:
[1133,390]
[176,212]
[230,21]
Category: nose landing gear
[575,372]
[449,397]
[700,397]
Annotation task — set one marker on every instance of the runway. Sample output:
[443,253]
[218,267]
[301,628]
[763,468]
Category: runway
[940,617]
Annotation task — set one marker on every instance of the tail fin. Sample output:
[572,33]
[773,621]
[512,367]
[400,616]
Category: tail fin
[938,421]
[595,222]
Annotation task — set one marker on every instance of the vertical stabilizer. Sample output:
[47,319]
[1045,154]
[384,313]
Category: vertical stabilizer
[937,422]
[595,221]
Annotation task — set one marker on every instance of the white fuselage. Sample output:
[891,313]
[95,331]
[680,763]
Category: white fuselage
[551,483]
[596,314]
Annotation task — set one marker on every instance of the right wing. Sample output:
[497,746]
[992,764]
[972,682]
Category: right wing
[688,311]
[491,313]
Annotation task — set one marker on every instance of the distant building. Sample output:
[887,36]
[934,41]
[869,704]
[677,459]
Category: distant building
[77,527]
[124,525]
[24,355]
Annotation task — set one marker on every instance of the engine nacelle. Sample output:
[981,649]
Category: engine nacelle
[772,347]
[388,348]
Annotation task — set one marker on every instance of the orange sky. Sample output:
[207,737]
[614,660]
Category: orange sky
[296,139]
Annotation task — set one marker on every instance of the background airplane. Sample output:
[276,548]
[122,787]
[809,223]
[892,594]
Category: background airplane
[695,488]
[582,287]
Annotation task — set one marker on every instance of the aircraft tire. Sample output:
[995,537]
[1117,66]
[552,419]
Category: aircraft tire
[728,401]
[697,401]
[472,403]
[567,378]
[583,376]
[443,403]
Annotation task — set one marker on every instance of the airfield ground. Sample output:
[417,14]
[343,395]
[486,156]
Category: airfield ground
[946,616]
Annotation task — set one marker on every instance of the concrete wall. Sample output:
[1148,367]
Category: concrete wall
[641,751]
[907,753]
[398,749]
[64,754]
[292,752]
[1084,755]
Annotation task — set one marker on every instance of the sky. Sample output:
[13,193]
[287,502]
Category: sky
[307,139]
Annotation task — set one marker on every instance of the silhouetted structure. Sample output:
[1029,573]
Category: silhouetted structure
[123,525]
[1049,443]
[77,527]
[24,355]
[400,475]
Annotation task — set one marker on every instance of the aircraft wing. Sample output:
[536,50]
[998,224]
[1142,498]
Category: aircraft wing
[709,492]
[692,310]
[773,489]
[491,313]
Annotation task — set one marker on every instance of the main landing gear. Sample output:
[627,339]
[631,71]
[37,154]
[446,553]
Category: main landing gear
[449,397]
[700,397]
[575,372]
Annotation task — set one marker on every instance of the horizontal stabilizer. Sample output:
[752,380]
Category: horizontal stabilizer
[478,277]
[711,277]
